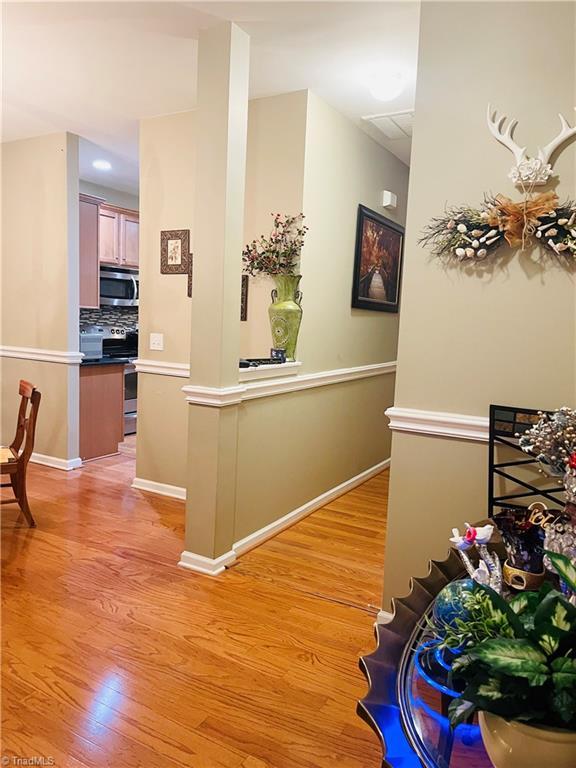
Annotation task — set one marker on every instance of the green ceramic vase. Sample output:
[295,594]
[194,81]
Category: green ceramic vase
[285,313]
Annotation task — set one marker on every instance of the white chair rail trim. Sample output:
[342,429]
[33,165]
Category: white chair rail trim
[439,423]
[161,368]
[42,355]
[219,397]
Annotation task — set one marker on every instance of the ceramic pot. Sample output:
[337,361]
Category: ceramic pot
[285,313]
[511,744]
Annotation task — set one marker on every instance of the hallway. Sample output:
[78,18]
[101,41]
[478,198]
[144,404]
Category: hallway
[113,656]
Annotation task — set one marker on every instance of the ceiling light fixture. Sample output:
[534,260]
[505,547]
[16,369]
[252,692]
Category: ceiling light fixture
[102,165]
[386,84]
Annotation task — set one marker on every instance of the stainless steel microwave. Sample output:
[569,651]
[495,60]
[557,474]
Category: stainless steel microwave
[118,288]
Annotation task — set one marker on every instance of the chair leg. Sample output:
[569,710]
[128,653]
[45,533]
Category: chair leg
[19,486]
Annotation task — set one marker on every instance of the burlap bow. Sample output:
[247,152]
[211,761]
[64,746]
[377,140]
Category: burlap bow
[518,221]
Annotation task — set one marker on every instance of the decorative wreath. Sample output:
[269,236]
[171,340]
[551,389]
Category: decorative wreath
[467,233]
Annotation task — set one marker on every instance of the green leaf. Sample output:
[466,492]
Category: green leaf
[548,612]
[490,689]
[559,618]
[564,673]
[519,658]
[463,661]
[459,711]
[564,704]
[501,608]
[548,638]
[565,567]
[522,601]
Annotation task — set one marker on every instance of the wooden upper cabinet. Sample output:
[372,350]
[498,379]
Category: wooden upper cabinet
[109,235]
[129,239]
[89,265]
[118,236]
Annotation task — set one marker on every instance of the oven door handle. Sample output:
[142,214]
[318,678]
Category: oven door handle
[135,284]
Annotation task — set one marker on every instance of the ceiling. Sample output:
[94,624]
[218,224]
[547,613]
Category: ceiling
[95,69]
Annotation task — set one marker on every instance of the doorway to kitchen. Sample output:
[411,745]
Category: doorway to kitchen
[109,223]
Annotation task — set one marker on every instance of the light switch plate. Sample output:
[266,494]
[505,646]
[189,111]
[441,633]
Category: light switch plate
[157,341]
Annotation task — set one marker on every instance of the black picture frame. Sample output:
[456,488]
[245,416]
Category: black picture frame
[180,266]
[244,299]
[378,241]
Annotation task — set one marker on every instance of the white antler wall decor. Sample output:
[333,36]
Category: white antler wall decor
[527,171]
[472,234]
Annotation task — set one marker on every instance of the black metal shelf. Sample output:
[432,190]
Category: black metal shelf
[505,423]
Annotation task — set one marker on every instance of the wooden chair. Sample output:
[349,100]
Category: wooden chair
[12,461]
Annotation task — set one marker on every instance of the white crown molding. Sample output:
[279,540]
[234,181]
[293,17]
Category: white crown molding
[438,423]
[42,355]
[219,397]
[163,489]
[261,535]
[56,463]
[161,368]
[206,565]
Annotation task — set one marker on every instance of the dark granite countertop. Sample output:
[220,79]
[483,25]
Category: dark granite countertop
[107,361]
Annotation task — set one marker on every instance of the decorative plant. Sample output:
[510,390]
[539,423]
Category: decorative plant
[552,440]
[278,254]
[519,657]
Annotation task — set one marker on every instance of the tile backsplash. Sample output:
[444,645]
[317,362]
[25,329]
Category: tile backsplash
[124,316]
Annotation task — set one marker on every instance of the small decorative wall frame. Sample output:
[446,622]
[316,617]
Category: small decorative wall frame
[244,299]
[473,234]
[190,264]
[175,252]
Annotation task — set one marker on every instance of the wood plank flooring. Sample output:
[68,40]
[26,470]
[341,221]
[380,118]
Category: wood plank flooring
[113,656]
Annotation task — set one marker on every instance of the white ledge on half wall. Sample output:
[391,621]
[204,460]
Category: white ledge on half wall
[439,423]
[43,355]
[274,371]
[219,397]
[162,368]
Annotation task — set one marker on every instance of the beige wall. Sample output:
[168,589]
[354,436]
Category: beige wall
[36,254]
[167,189]
[40,283]
[500,334]
[274,183]
[344,167]
[294,447]
[112,196]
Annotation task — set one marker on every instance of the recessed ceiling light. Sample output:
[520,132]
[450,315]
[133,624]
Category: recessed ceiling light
[102,165]
[387,83]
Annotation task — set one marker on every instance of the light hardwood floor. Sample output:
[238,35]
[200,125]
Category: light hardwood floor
[113,656]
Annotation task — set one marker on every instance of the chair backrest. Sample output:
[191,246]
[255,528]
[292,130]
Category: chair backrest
[26,424]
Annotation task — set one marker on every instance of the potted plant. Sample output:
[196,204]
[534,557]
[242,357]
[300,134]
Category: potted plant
[279,256]
[517,667]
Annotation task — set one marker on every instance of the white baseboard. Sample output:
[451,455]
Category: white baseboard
[384,617]
[206,565]
[55,462]
[174,491]
[261,535]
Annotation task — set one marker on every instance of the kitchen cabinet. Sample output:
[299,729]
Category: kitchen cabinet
[109,236]
[129,239]
[118,236]
[88,249]
[101,409]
